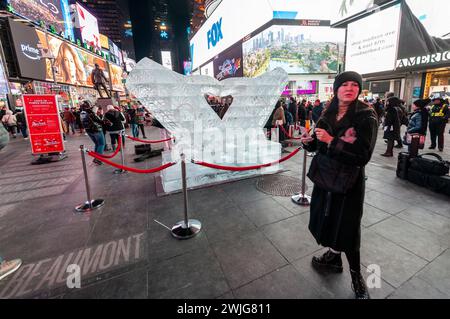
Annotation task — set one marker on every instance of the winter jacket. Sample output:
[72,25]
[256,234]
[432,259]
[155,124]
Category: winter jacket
[391,123]
[341,228]
[278,116]
[115,120]
[317,113]
[93,123]
[416,123]
[9,119]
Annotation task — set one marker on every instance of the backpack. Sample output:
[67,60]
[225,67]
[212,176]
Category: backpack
[402,116]
[87,122]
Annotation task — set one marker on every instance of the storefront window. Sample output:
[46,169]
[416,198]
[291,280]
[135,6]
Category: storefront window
[438,84]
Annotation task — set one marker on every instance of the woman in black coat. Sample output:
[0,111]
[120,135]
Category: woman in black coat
[346,133]
[392,124]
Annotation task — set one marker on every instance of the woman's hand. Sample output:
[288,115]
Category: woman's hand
[306,138]
[323,136]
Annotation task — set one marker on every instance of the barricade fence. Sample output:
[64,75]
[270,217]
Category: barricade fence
[187,228]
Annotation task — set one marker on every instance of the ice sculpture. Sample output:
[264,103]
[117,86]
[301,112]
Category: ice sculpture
[179,103]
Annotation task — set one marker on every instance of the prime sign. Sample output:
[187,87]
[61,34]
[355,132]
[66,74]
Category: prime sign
[215,34]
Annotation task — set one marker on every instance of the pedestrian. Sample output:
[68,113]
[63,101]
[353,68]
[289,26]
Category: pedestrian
[140,117]
[93,126]
[69,119]
[379,108]
[418,125]
[391,125]
[115,125]
[279,119]
[132,120]
[77,114]
[10,122]
[317,111]
[439,115]
[22,123]
[302,113]
[344,140]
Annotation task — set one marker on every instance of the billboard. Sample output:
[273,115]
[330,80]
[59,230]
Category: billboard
[229,63]
[344,9]
[72,64]
[52,12]
[166,59]
[371,45]
[235,19]
[116,73]
[4,89]
[424,35]
[104,41]
[87,26]
[296,49]
[208,69]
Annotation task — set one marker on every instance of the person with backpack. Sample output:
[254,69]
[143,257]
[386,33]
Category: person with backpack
[10,122]
[114,120]
[93,126]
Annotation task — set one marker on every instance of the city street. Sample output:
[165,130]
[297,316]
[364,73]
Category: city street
[252,245]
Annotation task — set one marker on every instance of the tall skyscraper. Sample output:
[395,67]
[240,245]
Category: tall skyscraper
[161,25]
[113,21]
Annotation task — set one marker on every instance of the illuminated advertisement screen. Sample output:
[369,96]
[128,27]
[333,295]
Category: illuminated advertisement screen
[72,65]
[87,25]
[166,59]
[116,72]
[3,81]
[296,49]
[344,9]
[52,12]
[229,63]
[424,35]
[372,46]
[307,87]
[208,70]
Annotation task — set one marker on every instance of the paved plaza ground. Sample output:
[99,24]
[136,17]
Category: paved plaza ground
[252,245]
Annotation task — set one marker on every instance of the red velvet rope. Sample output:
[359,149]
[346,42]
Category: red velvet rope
[130,169]
[247,168]
[147,142]
[288,136]
[119,146]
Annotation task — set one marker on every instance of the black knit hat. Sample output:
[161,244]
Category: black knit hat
[422,103]
[347,76]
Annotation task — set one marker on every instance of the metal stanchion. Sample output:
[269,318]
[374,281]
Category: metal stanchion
[122,155]
[302,199]
[187,228]
[90,205]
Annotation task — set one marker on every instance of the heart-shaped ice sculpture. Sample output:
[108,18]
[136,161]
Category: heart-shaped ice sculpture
[179,103]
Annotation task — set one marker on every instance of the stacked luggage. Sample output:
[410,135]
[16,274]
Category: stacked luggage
[426,170]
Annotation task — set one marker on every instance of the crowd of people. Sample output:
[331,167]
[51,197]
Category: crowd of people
[425,116]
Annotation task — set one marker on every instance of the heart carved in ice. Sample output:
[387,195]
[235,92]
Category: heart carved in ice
[178,101]
[219,104]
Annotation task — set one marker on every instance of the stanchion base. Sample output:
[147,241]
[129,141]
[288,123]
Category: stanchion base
[120,171]
[95,204]
[180,231]
[302,200]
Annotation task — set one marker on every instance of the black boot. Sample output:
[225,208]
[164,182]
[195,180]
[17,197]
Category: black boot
[359,285]
[329,262]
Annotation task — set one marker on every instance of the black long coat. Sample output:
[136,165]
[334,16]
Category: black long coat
[341,229]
